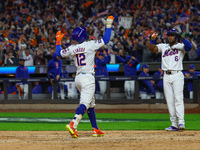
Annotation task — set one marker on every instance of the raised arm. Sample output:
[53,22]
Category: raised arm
[59,37]
[107,34]
[151,47]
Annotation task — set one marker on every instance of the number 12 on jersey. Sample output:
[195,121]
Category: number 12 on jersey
[80,58]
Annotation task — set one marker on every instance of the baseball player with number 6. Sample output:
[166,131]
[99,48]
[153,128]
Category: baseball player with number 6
[173,80]
[83,54]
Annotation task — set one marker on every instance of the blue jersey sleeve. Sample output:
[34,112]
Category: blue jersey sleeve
[187,44]
[58,49]
[106,36]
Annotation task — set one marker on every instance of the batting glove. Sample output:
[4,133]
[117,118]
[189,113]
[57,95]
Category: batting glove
[109,21]
[153,36]
[59,37]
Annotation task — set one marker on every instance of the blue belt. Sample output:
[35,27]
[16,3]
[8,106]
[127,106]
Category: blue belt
[88,73]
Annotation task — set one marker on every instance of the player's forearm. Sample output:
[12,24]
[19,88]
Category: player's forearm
[151,47]
[107,35]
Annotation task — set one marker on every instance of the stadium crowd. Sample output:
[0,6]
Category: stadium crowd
[28,27]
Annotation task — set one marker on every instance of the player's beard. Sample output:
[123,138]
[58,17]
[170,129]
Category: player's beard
[172,43]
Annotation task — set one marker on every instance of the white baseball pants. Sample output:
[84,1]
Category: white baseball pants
[144,95]
[102,89]
[25,90]
[191,94]
[85,83]
[159,95]
[173,90]
[129,88]
[62,91]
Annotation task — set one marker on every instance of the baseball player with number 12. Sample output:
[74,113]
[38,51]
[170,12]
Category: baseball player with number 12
[83,55]
[173,80]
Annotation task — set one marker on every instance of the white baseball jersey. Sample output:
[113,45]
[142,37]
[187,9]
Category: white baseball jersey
[172,56]
[83,55]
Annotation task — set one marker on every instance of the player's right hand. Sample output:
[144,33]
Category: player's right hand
[109,21]
[154,36]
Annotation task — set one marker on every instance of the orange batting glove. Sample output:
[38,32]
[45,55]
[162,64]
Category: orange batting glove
[154,36]
[59,37]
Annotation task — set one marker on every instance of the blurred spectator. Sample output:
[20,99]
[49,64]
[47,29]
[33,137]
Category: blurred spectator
[136,51]
[22,73]
[130,64]
[189,83]
[35,22]
[145,86]
[101,71]
[147,56]
[158,84]
[38,58]
[12,89]
[48,56]
[198,53]
[55,71]
[196,36]
[9,59]
[26,55]
[37,89]
[18,56]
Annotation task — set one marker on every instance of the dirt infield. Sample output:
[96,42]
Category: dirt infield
[112,140]
[115,140]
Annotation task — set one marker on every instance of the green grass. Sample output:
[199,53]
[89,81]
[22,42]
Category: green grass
[106,121]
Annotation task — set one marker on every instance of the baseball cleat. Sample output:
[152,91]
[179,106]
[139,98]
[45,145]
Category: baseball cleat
[71,130]
[97,132]
[181,127]
[171,128]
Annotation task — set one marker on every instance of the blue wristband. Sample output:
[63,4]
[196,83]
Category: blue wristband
[153,41]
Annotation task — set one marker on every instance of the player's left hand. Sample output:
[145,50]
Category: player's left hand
[179,36]
[153,36]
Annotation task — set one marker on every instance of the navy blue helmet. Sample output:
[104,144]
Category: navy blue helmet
[79,34]
[171,32]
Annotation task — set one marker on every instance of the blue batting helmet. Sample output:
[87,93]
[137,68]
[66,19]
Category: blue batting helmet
[79,34]
[171,32]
